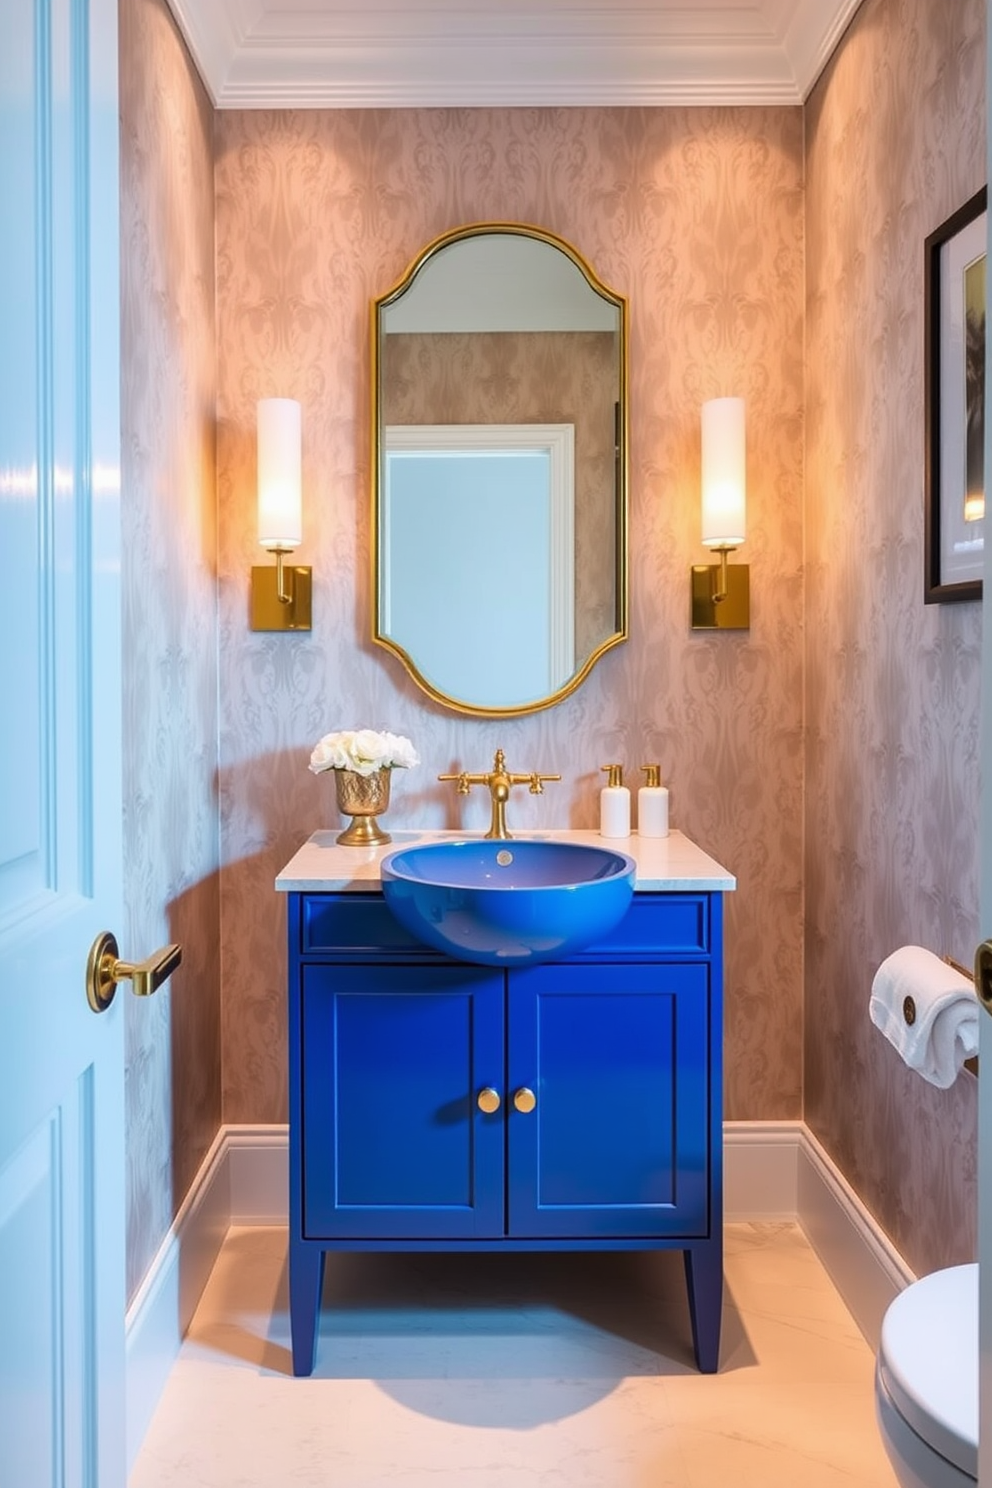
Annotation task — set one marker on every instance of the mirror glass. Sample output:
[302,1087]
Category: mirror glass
[500,469]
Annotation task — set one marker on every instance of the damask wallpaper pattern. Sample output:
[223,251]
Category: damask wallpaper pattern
[735,234]
[697,216]
[168,507]
[895,142]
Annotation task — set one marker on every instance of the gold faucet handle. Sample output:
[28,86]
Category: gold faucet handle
[464,783]
[537,783]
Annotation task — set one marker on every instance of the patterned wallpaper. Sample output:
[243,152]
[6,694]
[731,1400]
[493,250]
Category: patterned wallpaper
[170,626]
[895,142]
[697,216]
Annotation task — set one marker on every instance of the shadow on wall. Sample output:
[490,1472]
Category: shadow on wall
[195,1030]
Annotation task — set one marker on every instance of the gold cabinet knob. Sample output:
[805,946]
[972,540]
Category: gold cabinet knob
[104,971]
[488,1100]
[524,1100]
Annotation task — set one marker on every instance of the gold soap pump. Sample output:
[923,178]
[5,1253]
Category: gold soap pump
[652,804]
[614,804]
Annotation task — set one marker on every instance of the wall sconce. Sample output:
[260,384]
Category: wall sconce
[721,593]
[280,596]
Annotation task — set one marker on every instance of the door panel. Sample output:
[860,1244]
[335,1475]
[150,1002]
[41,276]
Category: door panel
[617,1058]
[61,1067]
[393,1060]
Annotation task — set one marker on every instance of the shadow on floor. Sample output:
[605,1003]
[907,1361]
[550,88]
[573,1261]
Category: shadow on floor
[508,1340]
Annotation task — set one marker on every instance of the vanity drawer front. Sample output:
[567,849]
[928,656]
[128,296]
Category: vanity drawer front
[666,924]
[354,925]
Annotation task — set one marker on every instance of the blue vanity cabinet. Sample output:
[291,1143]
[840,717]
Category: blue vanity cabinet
[608,1131]
[617,1141]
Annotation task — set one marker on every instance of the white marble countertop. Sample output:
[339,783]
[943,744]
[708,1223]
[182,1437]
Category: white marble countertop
[669,863]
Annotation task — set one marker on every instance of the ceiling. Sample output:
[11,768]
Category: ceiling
[464,53]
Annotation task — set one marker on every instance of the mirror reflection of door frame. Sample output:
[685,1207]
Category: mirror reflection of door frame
[550,622]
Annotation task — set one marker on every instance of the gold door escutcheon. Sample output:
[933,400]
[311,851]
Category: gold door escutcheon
[488,1100]
[983,974]
[525,1100]
[104,970]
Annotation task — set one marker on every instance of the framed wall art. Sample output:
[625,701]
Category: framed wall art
[955,405]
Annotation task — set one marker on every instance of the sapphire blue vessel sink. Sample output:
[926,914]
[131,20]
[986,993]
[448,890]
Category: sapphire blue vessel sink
[499,903]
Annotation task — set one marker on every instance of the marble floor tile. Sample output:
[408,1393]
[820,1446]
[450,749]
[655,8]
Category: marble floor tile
[570,1371]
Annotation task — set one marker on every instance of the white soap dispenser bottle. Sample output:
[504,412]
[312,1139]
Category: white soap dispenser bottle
[652,804]
[614,804]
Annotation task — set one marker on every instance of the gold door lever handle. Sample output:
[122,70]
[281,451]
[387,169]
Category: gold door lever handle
[104,970]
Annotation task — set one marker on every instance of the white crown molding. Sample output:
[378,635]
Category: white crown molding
[556,53]
[810,49]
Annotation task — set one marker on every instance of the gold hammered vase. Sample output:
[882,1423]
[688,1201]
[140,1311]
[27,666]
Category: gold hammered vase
[363,798]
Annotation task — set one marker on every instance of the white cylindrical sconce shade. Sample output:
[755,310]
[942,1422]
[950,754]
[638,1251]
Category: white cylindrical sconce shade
[724,481]
[280,487]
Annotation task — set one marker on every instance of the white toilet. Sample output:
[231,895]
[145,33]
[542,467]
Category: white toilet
[926,1381]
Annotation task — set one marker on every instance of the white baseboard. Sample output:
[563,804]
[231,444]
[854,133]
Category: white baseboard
[858,1256]
[161,1309]
[773,1170]
[258,1161]
[777,1170]
[242,1180]
[761,1170]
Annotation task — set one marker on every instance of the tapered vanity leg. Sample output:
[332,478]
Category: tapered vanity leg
[306,1282]
[704,1280]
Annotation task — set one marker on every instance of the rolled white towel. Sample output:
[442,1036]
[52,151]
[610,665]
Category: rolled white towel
[928,1011]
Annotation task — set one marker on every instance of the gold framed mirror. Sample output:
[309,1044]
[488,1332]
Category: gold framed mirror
[499,469]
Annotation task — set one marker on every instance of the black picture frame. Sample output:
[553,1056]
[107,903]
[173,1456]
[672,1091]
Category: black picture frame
[953,553]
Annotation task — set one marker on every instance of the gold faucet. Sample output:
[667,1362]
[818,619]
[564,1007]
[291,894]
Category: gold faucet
[500,783]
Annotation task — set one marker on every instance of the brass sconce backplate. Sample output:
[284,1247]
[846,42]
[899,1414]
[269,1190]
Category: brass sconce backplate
[733,611]
[268,611]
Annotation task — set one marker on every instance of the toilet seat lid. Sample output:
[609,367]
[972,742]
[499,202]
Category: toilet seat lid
[928,1358]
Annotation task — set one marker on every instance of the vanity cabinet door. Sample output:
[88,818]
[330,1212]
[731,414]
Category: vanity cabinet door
[394,1143]
[617,1058]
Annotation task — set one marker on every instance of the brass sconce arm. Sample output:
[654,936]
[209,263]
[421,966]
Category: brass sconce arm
[284,593]
[720,580]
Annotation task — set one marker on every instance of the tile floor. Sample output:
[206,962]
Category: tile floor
[516,1371]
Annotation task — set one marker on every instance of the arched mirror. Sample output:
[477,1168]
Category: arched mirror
[499,469]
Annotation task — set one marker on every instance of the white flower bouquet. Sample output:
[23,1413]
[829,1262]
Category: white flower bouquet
[363,751]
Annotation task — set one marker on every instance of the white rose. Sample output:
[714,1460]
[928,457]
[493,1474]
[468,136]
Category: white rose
[342,746]
[401,751]
[323,756]
[369,751]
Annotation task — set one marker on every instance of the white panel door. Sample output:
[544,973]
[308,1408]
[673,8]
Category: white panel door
[61,1065]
